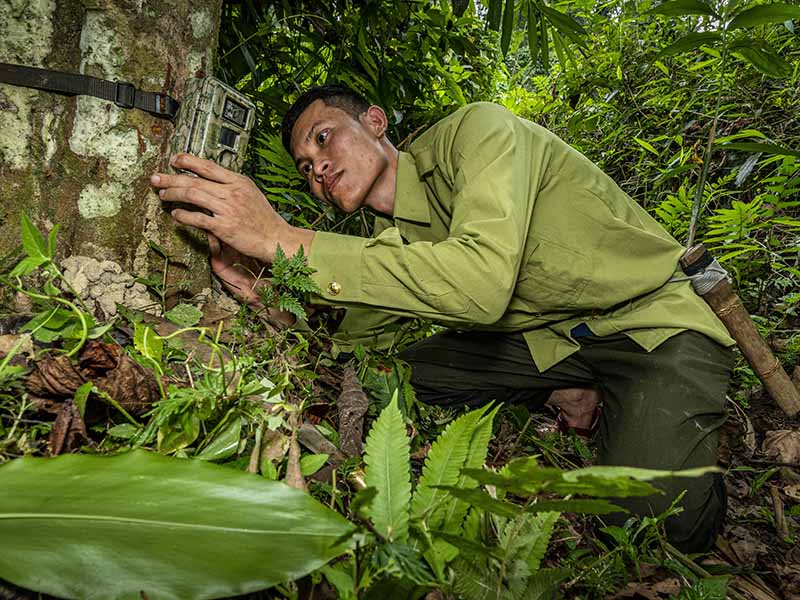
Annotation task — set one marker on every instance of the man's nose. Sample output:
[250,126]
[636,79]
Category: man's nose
[320,168]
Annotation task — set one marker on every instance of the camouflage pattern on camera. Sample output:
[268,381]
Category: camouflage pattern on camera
[214,122]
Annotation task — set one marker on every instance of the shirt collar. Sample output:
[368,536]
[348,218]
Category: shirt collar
[410,197]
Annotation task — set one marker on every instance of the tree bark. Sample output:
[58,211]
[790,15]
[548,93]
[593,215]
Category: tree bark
[84,163]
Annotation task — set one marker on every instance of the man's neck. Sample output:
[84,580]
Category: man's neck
[381,196]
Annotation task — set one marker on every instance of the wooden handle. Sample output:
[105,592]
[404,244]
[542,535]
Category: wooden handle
[730,310]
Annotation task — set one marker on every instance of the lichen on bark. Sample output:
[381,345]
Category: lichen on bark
[83,162]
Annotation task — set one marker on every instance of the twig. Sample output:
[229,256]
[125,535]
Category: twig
[780,517]
[697,569]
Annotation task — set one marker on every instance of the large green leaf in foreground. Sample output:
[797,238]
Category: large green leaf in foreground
[110,527]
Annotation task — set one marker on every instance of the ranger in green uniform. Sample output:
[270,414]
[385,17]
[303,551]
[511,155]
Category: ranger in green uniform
[547,274]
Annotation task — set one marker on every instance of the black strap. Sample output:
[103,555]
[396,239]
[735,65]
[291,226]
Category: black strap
[124,95]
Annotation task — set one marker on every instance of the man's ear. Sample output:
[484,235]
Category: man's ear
[375,120]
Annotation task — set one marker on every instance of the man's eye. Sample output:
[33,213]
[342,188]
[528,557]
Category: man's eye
[322,136]
[305,169]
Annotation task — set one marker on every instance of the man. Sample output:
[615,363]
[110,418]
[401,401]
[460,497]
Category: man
[548,275]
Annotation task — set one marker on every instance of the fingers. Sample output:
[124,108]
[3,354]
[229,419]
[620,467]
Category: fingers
[213,244]
[194,196]
[193,218]
[204,168]
[165,181]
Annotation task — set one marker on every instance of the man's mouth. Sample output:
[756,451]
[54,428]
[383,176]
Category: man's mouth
[331,184]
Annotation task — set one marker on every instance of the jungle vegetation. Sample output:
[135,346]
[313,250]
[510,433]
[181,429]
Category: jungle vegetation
[675,100]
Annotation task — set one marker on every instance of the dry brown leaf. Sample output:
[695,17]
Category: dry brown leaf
[68,430]
[121,377]
[353,404]
[294,475]
[793,491]
[54,376]
[745,547]
[783,444]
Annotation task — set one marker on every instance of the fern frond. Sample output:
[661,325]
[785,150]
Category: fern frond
[455,511]
[544,584]
[443,467]
[388,471]
[527,536]
[471,582]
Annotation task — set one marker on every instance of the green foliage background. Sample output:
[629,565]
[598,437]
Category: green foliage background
[593,71]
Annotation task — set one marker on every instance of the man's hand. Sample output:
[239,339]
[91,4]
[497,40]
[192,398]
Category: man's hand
[238,273]
[241,216]
[578,407]
[241,275]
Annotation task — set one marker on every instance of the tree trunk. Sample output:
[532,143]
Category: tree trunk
[82,162]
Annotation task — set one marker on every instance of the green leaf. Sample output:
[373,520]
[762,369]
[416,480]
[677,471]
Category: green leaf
[148,342]
[762,56]
[311,463]
[480,499]
[565,24]
[690,42]
[168,528]
[524,476]
[27,265]
[533,31]
[678,8]
[494,15]
[765,13]
[508,26]
[51,241]
[386,455]
[124,431]
[646,145]
[33,241]
[184,315]
[225,441]
[81,396]
[443,468]
[759,147]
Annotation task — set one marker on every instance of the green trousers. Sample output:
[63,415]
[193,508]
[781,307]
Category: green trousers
[661,409]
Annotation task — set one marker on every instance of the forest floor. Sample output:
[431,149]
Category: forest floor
[757,552]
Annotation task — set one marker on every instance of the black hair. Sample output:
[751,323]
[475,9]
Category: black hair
[336,95]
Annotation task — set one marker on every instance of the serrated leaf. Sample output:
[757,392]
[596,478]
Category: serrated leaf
[33,241]
[143,524]
[677,8]
[387,456]
[443,467]
[184,315]
[765,13]
[690,42]
[544,584]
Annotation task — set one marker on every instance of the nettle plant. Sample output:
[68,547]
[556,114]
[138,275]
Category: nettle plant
[466,529]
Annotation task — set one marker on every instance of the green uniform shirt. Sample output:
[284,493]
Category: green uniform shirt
[500,225]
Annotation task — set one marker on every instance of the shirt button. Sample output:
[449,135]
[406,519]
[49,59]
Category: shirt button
[334,288]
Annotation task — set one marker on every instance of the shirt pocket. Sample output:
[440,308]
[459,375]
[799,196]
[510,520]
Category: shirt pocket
[554,277]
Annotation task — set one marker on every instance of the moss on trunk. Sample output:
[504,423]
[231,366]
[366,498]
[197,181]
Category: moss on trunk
[84,163]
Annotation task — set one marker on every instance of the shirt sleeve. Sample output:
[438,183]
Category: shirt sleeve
[467,278]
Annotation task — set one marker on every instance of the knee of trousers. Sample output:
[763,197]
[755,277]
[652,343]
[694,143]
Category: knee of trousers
[703,506]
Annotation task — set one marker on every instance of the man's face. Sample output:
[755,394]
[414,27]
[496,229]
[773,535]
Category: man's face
[340,157]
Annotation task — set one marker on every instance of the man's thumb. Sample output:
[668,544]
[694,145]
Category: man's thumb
[213,244]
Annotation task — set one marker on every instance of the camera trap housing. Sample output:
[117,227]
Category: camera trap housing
[214,123]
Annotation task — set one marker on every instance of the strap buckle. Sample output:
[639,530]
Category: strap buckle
[165,106]
[124,94]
